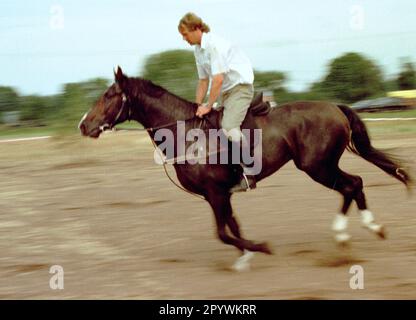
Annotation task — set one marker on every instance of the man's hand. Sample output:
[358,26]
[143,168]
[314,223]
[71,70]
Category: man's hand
[203,109]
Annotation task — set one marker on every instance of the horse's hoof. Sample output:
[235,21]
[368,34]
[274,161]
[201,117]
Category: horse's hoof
[382,233]
[264,247]
[241,265]
[343,245]
[342,239]
[378,229]
[243,262]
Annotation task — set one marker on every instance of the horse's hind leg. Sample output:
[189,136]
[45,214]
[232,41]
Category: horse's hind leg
[357,194]
[351,188]
[332,177]
[367,217]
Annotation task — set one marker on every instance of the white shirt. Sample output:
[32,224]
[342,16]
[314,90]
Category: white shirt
[216,55]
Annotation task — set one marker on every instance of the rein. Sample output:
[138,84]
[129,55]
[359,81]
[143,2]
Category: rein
[152,129]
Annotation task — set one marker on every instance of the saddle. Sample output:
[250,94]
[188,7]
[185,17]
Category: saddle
[257,108]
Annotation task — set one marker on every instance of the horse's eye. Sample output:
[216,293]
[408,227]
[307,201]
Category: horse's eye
[108,95]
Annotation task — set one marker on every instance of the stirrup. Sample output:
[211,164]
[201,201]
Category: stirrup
[246,180]
[239,187]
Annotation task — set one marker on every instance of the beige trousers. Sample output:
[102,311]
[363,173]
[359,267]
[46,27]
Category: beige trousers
[236,102]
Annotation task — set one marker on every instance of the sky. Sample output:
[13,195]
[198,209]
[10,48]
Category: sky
[45,44]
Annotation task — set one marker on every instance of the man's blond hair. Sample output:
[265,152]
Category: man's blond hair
[192,22]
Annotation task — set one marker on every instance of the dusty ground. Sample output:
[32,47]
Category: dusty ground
[109,216]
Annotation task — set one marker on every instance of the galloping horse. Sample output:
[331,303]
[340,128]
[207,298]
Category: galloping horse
[312,134]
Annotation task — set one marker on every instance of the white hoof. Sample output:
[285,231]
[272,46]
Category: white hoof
[373,227]
[368,222]
[339,225]
[378,229]
[342,238]
[243,262]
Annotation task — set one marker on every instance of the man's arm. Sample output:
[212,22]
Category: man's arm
[215,89]
[201,90]
[213,95]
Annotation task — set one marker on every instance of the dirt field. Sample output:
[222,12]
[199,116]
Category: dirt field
[105,212]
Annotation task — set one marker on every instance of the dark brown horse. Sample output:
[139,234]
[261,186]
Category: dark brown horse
[312,134]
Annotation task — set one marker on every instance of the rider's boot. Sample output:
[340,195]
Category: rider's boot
[246,182]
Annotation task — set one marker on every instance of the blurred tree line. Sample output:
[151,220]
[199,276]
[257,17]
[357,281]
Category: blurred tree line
[349,78]
[61,112]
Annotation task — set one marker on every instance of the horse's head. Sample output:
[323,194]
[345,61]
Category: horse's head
[111,108]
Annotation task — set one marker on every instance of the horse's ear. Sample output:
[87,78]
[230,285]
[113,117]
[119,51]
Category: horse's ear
[120,78]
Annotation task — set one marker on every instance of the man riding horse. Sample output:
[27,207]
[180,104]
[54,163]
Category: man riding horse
[231,75]
[312,134]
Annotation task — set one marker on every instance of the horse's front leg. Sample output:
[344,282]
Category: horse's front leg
[243,262]
[221,205]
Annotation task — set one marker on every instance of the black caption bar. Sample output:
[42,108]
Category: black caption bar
[197,309]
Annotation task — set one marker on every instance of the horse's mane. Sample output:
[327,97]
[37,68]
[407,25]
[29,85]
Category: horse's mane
[139,85]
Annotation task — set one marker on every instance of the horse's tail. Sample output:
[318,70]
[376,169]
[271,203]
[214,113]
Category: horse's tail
[360,144]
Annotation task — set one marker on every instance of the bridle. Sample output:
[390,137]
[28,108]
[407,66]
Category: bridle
[107,126]
[124,99]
